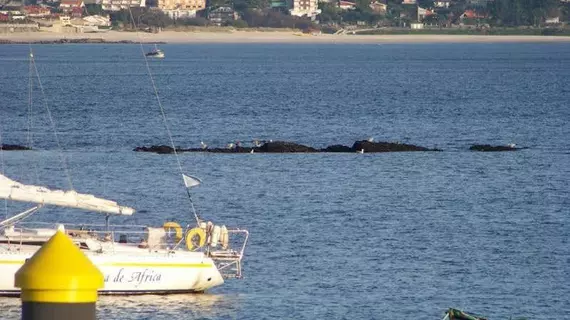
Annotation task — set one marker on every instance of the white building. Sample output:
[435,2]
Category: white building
[552,20]
[441,3]
[98,21]
[177,9]
[180,14]
[117,5]
[416,25]
[305,8]
[347,5]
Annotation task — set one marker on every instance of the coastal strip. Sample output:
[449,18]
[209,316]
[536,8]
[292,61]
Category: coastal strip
[181,37]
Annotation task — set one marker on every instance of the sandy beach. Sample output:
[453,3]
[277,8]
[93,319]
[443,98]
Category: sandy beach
[269,37]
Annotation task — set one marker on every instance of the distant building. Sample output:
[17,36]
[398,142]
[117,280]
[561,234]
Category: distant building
[416,25]
[180,14]
[422,13]
[409,2]
[13,14]
[181,8]
[222,14]
[36,11]
[305,8]
[67,6]
[118,5]
[96,20]
[378,7]
[65,20]
[553,20]
[76,12]
[441,3]
[471,14]
[478,3]
[279,4]
[12,5]
[346,5]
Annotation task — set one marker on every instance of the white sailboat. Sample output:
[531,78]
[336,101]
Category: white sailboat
[133,259]
[167,259]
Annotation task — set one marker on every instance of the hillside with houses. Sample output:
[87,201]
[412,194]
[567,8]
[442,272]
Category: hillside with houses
[333,16]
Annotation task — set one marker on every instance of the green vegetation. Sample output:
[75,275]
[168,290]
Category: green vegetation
[498,31]
[494,13]
[523,12]
[483,16]
[145,18]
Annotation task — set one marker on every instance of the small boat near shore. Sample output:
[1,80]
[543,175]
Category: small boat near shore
[156,53]
[455,314]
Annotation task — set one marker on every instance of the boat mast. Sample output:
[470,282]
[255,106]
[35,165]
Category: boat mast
[164,120]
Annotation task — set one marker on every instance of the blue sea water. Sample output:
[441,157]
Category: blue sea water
[333,236]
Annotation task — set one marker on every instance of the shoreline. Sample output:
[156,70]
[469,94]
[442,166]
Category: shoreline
[180,37]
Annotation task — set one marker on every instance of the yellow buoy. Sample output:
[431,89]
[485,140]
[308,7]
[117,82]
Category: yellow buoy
[59,273]
[177,228]
[191,242]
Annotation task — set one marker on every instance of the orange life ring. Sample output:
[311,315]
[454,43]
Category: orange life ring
[177,228]
[191,244]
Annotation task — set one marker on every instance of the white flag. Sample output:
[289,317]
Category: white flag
[190,181]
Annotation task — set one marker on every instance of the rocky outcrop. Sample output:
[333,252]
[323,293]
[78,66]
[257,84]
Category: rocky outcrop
[13,147]
[337,148]
[368,146]
[490,148]
[291,147]
[157,149]
[284,147]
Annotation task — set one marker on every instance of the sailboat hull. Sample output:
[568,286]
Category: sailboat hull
[129,274]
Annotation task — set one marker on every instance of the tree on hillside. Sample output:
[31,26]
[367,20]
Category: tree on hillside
[243,5]
[521,12]
[426,4]
[93,9]
[329,12]
[363,5]
[218,3]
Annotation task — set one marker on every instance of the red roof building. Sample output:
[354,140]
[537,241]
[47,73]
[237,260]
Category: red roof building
[37,11]
[346,5]
[68,5]
[76,12]
[472,14]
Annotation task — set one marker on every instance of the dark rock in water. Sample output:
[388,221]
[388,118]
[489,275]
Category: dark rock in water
[157,149]
[229,150]
[337,148]
[488,147]
[291,147]
[13,147]
[380,146]
[284,147]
